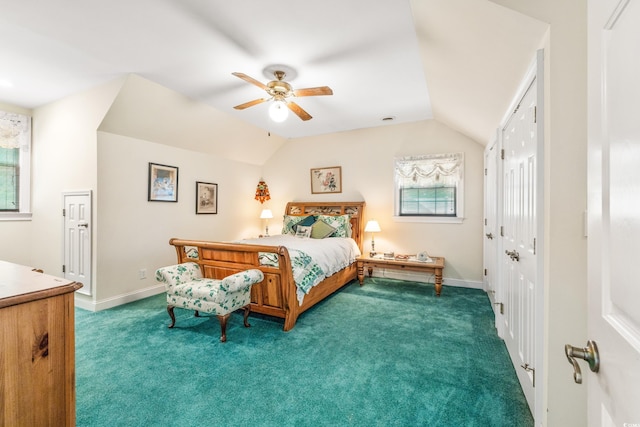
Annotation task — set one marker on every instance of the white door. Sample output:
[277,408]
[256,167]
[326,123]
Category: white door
[518,259]
[77,238]
[614,212]
[491,232]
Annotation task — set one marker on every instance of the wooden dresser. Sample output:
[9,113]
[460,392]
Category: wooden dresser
[37,348]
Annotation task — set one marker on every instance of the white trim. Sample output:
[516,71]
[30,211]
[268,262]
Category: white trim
[118,299]
[24,179]
[15,216]
[430,219]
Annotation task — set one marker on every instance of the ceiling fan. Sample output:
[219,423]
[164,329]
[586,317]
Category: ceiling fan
[280,91]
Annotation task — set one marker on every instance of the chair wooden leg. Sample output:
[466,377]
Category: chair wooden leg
[247,310]
[223,326]
[173,317]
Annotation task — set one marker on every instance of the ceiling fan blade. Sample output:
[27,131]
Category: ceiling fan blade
[299,111]
[251,80]
[250,103]
[313,91]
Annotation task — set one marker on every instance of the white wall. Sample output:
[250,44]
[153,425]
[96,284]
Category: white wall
[367,160]
[70,154]
[63,159]
[133,233]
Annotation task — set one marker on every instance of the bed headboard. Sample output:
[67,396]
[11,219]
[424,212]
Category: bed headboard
[354,209]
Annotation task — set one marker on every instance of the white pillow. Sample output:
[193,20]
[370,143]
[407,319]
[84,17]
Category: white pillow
[303,231]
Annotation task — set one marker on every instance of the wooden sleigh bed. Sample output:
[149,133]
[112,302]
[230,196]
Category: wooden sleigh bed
[276,294]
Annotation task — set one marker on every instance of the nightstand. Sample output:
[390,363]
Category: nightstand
[435,267]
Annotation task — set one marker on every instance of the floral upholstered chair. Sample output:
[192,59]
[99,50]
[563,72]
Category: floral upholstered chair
[186,288]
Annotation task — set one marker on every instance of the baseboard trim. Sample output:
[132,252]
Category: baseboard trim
[82,302]
[429,278]
[118,299]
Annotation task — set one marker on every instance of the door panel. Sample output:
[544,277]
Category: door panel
[614,211]
[519,263]
[490,246]
[77,239]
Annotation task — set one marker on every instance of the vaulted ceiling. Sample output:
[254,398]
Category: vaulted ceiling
[458,61]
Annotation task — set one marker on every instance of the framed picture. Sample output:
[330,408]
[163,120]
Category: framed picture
[326,180]
[163,183]
[206,198]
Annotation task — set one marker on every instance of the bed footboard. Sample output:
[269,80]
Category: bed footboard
[276,295]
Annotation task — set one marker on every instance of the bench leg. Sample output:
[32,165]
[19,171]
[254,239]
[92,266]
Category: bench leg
[247,310]
[173,317]
[223,326]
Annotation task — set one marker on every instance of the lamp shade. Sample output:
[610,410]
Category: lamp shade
[372,227]
[266,214]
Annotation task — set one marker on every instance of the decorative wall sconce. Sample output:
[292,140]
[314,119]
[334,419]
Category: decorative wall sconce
[262,192]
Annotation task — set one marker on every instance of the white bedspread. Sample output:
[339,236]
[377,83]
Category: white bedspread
[330,255]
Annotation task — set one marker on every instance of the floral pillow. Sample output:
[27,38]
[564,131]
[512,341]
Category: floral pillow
[341,223]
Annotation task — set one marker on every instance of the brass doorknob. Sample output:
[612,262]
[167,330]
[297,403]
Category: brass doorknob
[588,353]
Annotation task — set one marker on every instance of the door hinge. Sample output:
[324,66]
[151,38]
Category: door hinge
[534,245]
[63,268]
[64,212]
[485,221]
[502,154]
[535,114]
[500,306]
[485,171]
[501,231]
[485,271]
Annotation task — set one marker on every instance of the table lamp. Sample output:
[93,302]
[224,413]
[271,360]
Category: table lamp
[372,227]
[266,215]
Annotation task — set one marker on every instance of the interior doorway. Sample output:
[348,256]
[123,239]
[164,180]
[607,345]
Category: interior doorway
[77,227]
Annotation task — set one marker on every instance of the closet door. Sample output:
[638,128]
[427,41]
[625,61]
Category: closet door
[519,258]
[491,227]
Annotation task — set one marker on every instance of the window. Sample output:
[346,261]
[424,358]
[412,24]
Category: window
[15,148]
[430,187]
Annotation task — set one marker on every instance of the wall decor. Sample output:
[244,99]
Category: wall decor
[262,191]
[206,198]
[163,183]
[326,180]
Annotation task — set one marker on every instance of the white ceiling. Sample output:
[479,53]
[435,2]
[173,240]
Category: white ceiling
[459,61]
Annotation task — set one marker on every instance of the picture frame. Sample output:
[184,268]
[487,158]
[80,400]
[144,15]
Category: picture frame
[206,198]
[326,180]
[163,183]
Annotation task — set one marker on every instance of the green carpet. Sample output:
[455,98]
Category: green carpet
[389,353]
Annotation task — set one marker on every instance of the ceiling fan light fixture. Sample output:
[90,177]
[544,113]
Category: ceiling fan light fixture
[278,111]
